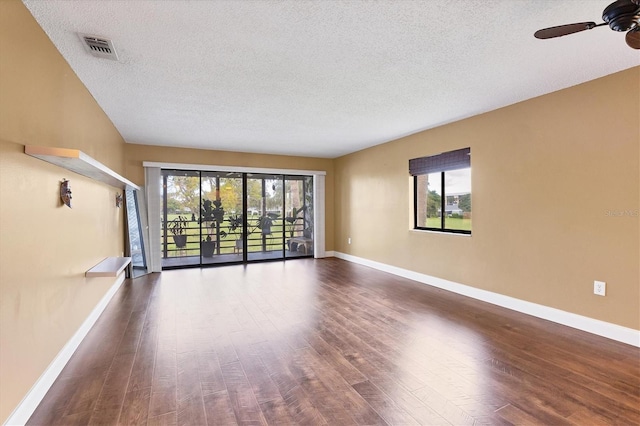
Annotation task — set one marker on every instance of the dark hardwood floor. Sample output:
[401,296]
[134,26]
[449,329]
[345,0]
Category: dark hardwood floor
[330,342]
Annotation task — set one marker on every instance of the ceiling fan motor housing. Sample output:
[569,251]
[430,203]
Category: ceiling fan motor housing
[622,15]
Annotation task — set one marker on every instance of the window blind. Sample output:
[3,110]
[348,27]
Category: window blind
[452,160]
[153,184]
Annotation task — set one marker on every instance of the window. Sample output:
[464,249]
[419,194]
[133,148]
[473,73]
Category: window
[442,191]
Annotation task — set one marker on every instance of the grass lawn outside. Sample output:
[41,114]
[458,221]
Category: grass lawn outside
[449,223]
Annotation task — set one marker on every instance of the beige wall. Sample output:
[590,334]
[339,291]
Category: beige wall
[136,154]
[45,248]
[544,174]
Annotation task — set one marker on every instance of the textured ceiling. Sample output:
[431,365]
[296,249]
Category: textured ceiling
[321,78]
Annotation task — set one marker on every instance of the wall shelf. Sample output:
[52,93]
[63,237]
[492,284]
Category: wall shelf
[79,162]
[110,267]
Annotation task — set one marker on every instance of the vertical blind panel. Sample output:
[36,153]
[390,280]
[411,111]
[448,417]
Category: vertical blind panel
[319,218]
[452,160]
[153,184]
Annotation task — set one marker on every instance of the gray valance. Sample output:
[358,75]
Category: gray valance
[452,160]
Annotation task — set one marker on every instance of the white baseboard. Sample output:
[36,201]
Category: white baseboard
[30,402]
[594,326]
[330,253]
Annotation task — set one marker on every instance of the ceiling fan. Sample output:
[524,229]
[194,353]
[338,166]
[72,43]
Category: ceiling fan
[621,15]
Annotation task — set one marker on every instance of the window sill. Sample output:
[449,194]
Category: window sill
[429,231]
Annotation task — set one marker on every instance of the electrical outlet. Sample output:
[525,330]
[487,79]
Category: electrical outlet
[349,240]
[599,288]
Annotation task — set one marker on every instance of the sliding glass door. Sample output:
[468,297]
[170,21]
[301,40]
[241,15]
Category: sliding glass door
[211,217]
[298,221]
[220,217]
[180,218]
[264,221]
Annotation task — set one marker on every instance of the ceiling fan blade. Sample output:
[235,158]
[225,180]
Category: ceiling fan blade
[563,30]
[633,38]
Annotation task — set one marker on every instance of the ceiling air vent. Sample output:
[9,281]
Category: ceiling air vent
[99,47]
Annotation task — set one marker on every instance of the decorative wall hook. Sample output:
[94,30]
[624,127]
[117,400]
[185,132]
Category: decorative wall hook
[118,200]
[65,192]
